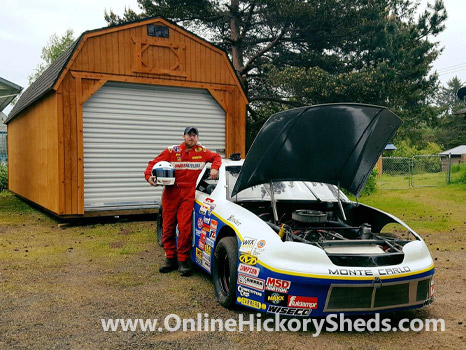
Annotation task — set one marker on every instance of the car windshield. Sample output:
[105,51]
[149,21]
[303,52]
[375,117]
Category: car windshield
[282,190]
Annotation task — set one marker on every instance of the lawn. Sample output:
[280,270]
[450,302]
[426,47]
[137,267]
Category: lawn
[57,281]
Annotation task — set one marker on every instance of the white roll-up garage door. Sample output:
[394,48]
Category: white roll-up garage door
[127,125]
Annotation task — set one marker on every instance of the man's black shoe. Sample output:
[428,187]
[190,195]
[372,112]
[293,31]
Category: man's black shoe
[185,268]
[171,264]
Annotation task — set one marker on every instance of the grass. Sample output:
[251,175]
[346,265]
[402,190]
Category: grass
[58,282]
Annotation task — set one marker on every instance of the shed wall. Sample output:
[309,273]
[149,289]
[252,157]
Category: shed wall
[33,154]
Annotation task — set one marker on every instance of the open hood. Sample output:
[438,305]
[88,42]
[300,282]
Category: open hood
[334,143]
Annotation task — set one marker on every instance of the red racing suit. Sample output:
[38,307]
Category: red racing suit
[178,199]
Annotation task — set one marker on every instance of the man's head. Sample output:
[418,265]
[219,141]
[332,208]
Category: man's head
[190,136]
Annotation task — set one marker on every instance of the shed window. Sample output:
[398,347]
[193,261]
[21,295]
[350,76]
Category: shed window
[157,31]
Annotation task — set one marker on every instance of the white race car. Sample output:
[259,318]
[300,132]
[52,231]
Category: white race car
[279,236]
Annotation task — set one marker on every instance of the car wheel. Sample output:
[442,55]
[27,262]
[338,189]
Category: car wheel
[159,227]
[224,271]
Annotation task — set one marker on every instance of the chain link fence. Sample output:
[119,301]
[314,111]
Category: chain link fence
[394,173]
[417,171]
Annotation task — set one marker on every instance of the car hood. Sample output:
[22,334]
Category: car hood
[334,143]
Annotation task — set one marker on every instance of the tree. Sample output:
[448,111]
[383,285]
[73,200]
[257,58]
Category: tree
[448,98]
[296,52]
[50,52]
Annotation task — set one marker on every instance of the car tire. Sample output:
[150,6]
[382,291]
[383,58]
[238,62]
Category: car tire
[159,227]
[225,271]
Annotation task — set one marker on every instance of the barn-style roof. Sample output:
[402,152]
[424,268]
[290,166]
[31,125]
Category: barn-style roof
[51,75]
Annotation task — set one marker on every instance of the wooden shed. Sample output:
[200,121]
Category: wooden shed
[81,135]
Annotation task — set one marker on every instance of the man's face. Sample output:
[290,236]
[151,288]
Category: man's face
[190,139]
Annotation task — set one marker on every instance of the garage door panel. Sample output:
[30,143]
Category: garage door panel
[126,125]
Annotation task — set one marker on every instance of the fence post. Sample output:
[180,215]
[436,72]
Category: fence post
[449,167]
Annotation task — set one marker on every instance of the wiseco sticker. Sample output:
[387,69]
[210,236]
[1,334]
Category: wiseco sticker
[248,269]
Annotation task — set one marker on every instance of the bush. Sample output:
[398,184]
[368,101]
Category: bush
[458,173]
[369,187]
[3,176]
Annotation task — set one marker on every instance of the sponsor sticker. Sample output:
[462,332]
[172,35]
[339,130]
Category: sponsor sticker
[234,220]
[245,292]
[208,249]
[205,264]
[275,298]
[277,285]
[248,269]
[251,282]
[248,259]
[261,243]
[199,222]
[210,242]
[213,224]
[288,310]
[201,244]
[302,302]
[247,244]
[207,220]
[209,200]
[251,303]
[198,254]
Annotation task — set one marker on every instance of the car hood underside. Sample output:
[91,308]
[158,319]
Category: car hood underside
[337,144]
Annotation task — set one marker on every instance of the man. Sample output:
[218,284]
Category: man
[188,159]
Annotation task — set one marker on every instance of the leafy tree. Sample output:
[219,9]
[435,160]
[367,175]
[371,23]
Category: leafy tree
[295,52]
[54,48]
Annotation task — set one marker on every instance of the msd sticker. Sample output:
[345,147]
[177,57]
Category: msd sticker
[248,269]
[277,285]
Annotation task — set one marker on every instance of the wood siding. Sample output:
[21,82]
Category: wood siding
[122,54]
[34,154]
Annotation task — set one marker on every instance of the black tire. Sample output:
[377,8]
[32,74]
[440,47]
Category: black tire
[225,271]
[159,227]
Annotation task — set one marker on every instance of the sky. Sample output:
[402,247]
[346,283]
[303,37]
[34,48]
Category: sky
[26,27]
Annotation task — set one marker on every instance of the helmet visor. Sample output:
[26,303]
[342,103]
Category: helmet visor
[163,172]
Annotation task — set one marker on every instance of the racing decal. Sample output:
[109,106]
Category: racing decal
[302,302]
[208,249]
[247,244]
[248,269]
[210,242]
[251,282]
[213,228]
[259,247]
[276,298]
[201,245]
[246,292]
[277,285]
[367,272]
[234,220]
[432,289]
[198,232]
[188,165]
[198,254]
[199,223]
[248,259]
[251,303]
[207,221]
[209,200]
[206,261]
[288,310]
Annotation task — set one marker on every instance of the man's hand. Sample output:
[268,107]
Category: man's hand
[213,174]
[152,180]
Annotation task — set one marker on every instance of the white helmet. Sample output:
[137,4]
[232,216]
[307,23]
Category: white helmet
[164,172]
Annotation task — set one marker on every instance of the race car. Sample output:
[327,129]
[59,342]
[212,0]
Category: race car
[278,234]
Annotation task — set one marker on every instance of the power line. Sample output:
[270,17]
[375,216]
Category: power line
[454,67]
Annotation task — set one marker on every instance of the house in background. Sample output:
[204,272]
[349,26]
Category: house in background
[458,156]
[8,91]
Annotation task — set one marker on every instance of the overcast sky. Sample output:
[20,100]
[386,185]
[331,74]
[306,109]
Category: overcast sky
[26,26]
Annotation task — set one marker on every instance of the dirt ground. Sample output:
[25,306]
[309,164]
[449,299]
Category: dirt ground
[57,283]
